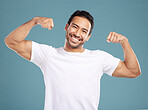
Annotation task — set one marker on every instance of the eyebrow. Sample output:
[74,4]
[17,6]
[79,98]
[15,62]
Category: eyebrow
[78,26]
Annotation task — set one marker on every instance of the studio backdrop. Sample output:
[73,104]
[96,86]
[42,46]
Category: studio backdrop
[21,82]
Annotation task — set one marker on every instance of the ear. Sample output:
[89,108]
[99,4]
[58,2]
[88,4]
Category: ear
[66,26]
[88,37]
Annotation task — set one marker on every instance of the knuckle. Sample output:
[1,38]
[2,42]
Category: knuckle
[44,21]
[50,19]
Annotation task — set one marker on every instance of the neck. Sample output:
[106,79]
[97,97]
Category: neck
[70,49]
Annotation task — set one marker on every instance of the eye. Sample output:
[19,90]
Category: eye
[74,26]
[84,32]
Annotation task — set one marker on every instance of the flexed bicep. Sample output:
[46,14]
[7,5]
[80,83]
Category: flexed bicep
[24,49]
[123,71]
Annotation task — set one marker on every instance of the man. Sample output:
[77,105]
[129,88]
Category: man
[71,73]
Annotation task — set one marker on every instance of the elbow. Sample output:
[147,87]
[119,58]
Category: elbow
[9,43]
[6,41]
[136,74]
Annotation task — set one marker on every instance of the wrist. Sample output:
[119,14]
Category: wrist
[125,40]
[35,19]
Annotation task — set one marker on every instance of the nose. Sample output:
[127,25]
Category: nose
[78,33]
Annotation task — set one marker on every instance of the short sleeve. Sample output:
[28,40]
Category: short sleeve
[109,63]
[39,53]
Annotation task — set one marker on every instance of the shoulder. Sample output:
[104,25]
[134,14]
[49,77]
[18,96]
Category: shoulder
[43,47]
[99,52]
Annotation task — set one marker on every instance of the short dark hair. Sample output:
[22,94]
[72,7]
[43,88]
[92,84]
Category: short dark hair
[84,14]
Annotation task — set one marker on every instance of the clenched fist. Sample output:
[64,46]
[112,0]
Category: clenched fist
[44,22]
[116,38]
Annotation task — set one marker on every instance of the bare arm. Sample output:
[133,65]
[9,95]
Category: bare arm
[16,39]
[130,67]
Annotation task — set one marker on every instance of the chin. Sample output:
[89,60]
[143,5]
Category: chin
[74,46]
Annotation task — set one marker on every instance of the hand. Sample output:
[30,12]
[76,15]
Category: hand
[116,38]
[44,22]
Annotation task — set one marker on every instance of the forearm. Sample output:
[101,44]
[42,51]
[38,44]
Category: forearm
[19,34]
[130,58]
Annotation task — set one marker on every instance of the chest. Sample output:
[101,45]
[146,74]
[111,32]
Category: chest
[67,73]
[74,66]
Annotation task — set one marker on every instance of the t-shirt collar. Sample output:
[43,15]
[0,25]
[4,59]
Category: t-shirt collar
[74,53]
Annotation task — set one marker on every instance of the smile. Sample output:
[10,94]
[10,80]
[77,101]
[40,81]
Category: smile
[74,39]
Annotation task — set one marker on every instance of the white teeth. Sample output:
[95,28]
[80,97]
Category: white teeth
[74,39]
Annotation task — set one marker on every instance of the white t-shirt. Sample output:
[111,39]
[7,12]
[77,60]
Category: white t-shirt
[72,79]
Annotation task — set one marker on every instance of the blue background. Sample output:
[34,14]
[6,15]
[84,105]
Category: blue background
[21,82]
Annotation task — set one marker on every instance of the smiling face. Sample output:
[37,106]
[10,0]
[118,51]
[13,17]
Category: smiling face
[77,32]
